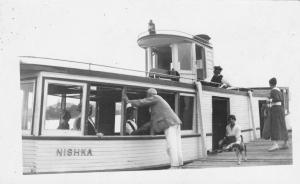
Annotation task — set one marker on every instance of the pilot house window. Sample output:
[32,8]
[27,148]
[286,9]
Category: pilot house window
[184,56]
[162,57]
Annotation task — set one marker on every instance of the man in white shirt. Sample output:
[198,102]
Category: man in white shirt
[131,125]
[233,134]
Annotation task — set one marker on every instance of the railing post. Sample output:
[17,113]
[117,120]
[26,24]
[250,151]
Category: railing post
[200,122]
[252,114]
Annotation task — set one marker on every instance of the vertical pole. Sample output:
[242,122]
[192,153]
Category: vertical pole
[149,59]
[25,109]
[200,122]
[177,103]
[252,114]
[123,113]
[146,63]
[87,109]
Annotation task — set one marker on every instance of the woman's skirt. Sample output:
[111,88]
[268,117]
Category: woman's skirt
[278,130]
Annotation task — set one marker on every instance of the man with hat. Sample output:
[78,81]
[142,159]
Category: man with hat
[218,78]
[163,118]
[131,125]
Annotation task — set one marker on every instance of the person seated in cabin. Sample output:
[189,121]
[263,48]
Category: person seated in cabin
[219,79]
[233,135]
[91,129]
[175,75]
[131,125]
[64,123]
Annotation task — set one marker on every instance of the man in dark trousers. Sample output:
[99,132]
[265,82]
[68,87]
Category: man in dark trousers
[163,118]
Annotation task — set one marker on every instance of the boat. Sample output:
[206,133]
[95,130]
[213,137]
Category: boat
[177,64]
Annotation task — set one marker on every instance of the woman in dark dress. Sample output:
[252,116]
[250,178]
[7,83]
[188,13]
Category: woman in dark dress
[278,130]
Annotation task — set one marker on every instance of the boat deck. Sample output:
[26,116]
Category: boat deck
[257,155]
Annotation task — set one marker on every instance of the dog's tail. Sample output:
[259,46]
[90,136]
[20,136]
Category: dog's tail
[242,140]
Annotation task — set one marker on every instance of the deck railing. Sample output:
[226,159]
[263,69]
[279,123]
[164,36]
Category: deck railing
[91,66]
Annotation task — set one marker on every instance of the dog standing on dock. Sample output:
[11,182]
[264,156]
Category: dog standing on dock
[240,151]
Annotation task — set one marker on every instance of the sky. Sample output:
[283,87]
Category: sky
[252,40]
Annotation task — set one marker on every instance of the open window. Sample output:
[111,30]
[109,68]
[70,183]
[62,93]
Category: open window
[186,112]
[63,108]
[106,104]
[27,95]
[162,57]
[141,115]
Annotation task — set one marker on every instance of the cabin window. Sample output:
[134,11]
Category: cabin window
[200,62]
[107,102]
[185,56]
[140,115]
[27,95]
[63,107]
[186,111]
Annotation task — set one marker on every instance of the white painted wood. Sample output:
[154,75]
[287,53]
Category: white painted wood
[106,154]
[200,121]
[252,114]
[209,62]
[37,108]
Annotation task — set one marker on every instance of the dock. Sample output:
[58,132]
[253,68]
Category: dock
[257,155]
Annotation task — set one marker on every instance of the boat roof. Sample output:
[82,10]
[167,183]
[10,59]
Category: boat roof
[167,37]
[34,68]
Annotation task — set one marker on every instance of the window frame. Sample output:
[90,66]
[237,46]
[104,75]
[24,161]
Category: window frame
[26,81]
[185,71]
[202,48]
[59,132]
[192,131]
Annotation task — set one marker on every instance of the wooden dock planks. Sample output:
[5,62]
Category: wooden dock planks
[257,156]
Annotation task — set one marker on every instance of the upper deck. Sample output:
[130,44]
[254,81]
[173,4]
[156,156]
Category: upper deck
[28,70]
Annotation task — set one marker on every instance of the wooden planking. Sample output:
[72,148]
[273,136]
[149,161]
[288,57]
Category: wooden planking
[209,62]
[107,154]
[257,154]
[28,149]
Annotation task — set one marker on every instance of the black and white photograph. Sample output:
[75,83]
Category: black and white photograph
[149,91]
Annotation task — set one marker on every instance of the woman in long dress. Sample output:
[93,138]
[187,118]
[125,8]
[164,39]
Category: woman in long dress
[278,130]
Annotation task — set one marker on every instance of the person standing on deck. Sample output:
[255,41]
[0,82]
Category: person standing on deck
[163,118]
[278,130]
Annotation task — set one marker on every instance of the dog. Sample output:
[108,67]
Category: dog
[240,151]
